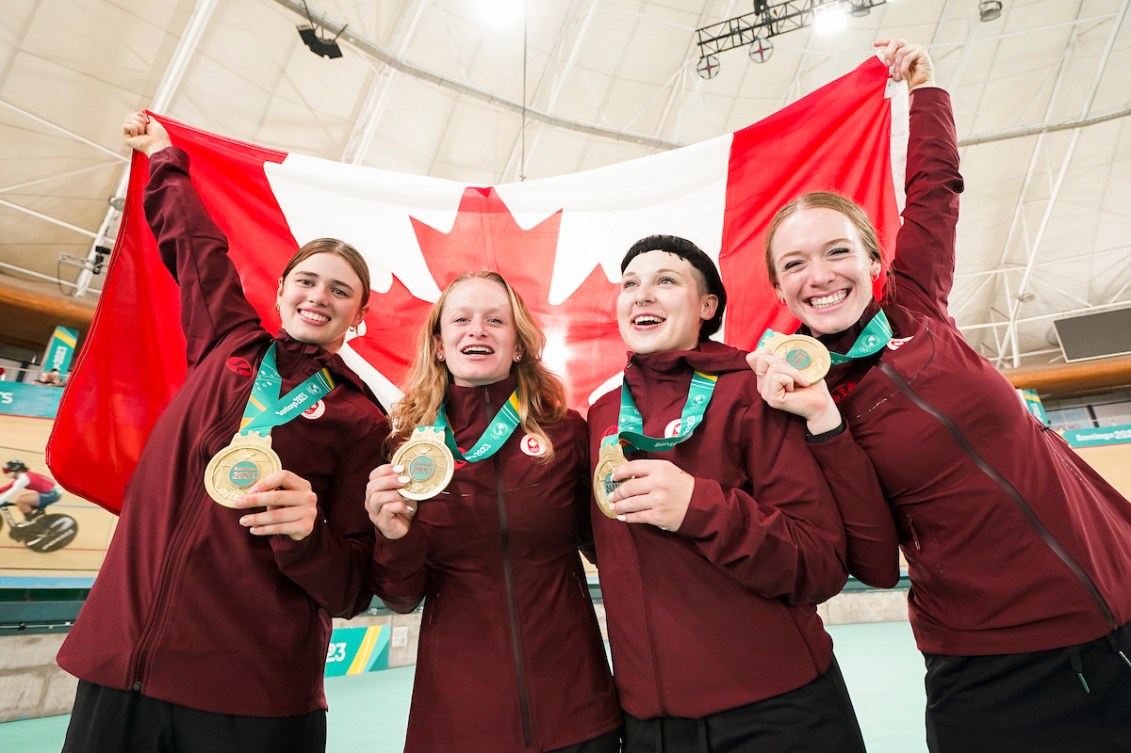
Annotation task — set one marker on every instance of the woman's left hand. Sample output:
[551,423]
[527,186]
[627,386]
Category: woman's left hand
[292,506]
[656,492]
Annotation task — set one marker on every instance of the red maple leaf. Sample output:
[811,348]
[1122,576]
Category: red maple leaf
[583,345]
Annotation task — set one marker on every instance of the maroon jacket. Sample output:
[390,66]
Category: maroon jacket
[1013,543]
[721,612]
[188,606]
[510,656]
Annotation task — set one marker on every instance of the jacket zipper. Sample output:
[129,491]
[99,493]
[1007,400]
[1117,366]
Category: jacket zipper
[1009,489]
[648,628]
[169,568]
[171,565]
[512,606]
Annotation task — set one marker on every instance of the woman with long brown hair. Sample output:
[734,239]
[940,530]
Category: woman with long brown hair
[510,656]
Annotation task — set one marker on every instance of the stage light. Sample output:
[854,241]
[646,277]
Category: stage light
[761,49]
[327,48]
[708,66]
[770,18]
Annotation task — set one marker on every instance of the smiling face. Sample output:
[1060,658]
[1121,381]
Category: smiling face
[823,270]
[478,340]
[662,303]
[319,299]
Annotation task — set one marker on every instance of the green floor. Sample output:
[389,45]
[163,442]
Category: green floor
[368,712]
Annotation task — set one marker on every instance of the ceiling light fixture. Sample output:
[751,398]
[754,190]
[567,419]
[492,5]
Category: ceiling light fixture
[830,18]
[989,10]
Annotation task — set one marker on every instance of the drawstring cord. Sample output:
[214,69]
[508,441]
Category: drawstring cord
[1078,666]
[1115,647]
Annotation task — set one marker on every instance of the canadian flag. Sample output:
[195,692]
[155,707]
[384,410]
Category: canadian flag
[559,241]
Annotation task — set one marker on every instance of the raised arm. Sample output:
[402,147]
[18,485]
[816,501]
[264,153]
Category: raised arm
[192,247]
[923,270]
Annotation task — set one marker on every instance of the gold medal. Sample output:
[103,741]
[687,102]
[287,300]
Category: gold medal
[806,354]
[427,462]
[611,458]
[234,469]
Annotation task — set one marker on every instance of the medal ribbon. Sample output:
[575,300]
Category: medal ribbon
[265,409]
[869,342]
[630,425]
[494,437]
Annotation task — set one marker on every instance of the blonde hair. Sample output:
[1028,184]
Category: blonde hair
[825,200]
[541,396]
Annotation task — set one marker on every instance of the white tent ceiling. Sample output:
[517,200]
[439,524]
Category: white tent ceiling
[1042,96]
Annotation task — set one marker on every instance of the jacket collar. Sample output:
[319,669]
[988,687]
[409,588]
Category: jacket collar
[294,357]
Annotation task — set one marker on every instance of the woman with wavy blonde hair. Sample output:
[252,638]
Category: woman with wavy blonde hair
[510,655]
[543,396]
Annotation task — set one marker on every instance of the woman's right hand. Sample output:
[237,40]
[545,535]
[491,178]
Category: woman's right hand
[389,511]
[144,134]
[783,388]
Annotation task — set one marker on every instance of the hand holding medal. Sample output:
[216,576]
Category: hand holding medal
[388,510]
[650,491]
[292,506]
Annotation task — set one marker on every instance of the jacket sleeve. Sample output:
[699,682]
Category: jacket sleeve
[332,564]
[195,251]
[784,538]
[872,545]
[400,574]
[923,270]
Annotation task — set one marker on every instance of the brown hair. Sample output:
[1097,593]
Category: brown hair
[342,249]
[824,200]
[542,398]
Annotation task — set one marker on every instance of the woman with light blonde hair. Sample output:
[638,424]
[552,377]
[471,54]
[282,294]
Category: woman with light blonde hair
[510,655]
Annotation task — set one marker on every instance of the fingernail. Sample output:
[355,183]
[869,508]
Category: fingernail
[398,468]
[403,479]
[621,518]
[412,509]
[245,521]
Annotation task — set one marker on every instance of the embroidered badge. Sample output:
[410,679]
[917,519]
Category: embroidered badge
[314,411]
[240,366]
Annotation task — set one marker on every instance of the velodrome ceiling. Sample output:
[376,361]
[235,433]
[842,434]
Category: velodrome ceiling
[1042,96]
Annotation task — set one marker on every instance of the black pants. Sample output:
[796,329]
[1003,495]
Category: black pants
[1067,700]
[106,720]
[815,718]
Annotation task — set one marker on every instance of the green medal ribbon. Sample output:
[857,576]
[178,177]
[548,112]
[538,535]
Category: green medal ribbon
[494,437]
[265,409]
[630,424]
[870,341]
